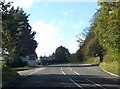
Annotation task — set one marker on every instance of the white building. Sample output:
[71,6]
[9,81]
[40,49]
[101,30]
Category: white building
[30,60]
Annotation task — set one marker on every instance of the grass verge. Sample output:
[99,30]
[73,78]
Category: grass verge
[22,68]
[94,60]
[9,76]
[110,67]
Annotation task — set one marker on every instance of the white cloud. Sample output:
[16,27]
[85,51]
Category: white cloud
[73,45]
[48,36]
[67,12]
[78,25]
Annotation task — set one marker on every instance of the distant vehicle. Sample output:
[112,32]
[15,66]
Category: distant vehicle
[43,63]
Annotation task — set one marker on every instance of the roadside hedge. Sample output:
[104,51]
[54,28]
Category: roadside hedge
[9,76]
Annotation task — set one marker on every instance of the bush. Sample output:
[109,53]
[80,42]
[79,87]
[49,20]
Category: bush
[16,63]
[9,76]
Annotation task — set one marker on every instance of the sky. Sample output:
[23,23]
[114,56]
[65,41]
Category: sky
[57,23]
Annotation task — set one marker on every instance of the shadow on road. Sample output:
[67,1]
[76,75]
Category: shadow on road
[72,65]
[45,81]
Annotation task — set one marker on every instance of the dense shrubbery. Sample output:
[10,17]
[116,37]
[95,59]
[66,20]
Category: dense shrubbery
[17,35]
[102,37]
[9,76]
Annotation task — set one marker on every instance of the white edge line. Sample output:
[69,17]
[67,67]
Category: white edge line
[110,73]
[36,71]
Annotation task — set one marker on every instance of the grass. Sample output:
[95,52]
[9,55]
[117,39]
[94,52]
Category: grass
[111,67]
[22,68]
[94,60]
[9,76]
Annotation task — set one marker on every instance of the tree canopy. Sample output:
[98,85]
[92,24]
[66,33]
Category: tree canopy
[18,39]
[102,37]
[61,54]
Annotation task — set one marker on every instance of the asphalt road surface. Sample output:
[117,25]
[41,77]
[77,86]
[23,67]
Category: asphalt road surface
[82,76]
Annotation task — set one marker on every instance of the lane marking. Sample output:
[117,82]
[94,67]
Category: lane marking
[110,73]
[33,72]
[76,83]
[91,81]
[72,81]
[63,72]
[95,83]
[70,68]
[36,70]
[76,73]
[61,68]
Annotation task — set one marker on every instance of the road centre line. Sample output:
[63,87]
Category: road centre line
[76,73]
[73,81]
[95,83]
[70,68]
[63,72]
[76,83]
[61,68]
[91,81]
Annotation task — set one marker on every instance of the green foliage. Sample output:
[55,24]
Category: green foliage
[18,39]
[92,60]
[102,38]
[73,58]
[9,76]
[111,67]
[108,25]
[61,54]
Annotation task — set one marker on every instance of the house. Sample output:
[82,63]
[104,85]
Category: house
[44,60]
[31,60]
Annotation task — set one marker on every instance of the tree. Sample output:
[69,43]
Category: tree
[107,28]
[18,39]
[90,47]
[61,54]
[102,38]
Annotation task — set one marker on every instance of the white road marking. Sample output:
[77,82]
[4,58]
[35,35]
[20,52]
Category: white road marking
[61,68]
[70,68]
[38,69]
[76,73]
[95,83]
[63,72]
[33,72]
[91,81]
[75,83]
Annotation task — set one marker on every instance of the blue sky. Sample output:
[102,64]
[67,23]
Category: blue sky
[57,23]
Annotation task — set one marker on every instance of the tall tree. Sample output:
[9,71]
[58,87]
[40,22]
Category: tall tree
[61,54]
[18,39]
[108,28]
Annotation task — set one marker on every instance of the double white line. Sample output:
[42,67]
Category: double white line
[72,80]
[91,81]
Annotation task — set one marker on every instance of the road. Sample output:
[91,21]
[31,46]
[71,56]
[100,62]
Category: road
[83,76]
